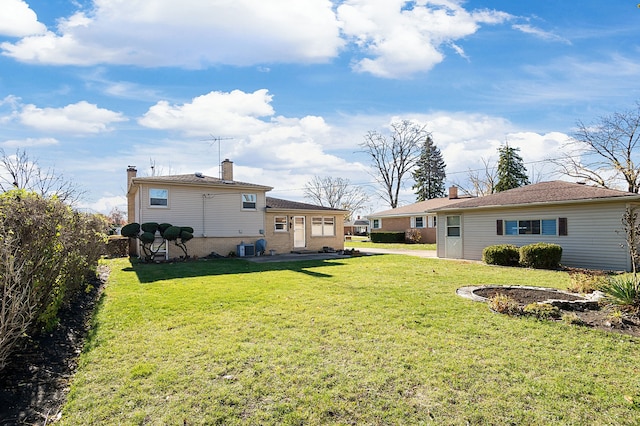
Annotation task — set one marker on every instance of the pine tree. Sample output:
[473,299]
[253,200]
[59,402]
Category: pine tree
[511,170]
[429,174]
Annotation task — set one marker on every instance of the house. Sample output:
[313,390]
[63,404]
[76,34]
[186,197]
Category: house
[418,216]
[295,226]
[225,213]
[585,221]
[356,227]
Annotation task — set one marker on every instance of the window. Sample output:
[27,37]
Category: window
[158,197]
[418,222]
[376,224]
[323,226]
[453,226]
[527,227]
[432,221]
[280,224]
[249,201]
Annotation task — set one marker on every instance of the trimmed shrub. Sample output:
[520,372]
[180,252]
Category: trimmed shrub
[541,256]
[151,227]
[412,236]
[130,230]
[502,254]
[387,237]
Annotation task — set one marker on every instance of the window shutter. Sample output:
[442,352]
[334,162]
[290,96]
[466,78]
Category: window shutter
[499,227]
[562,226]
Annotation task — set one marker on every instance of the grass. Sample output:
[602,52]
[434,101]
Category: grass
[367,340]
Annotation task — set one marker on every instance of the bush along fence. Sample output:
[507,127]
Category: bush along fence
[538,255]
[146,234]
[47,251]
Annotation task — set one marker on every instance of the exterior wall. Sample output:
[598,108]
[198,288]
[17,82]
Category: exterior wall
[403,223]
[209,213]
[595,237]
[282,241]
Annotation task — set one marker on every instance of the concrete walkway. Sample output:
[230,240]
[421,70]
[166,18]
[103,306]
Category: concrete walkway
[288,257]
[374,250]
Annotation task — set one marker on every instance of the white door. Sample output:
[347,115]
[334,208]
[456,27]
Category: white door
[299,240]
[453,238]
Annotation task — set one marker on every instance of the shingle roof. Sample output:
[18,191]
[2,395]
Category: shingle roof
[197,179]
[280,204]
[419,207]
[541,193]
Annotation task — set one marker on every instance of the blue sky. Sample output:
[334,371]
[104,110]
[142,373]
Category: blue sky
[292,86]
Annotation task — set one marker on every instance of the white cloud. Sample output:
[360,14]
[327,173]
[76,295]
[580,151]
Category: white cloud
[541,34]
[18,20]
[28,142]
[188,33]
[234,114]
[105,204]
[78,118]
[398,42]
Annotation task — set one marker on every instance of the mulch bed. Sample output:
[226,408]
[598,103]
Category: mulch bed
[600,319]
[34,386]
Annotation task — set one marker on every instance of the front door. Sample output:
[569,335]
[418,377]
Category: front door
[299,240]
[453,238]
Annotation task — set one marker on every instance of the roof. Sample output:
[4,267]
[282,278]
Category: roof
[553,192]
[197,179]
[419,207]
[280,204]
[357,222]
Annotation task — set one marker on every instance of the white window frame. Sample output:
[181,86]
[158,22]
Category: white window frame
[249,201]
[414,222]
[431,221]
[323,226]
[376,223]
[283,223]
[157,191]
[519,227]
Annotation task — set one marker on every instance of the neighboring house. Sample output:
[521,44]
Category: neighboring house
[585,221]
[356,227]
[225,213]
[294,226]
[418,216]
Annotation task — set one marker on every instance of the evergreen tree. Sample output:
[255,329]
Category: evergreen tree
[511,170]
[429,174]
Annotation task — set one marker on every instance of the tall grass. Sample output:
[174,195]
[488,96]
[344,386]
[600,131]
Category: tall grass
[368,340]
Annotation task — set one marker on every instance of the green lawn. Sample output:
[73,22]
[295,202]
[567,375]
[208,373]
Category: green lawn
[365,340]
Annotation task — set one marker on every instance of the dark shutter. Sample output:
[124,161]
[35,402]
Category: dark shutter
[562,226]
[499,227]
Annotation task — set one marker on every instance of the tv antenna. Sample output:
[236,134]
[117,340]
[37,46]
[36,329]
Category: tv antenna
[214,139]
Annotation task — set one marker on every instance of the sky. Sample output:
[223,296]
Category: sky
[287,89]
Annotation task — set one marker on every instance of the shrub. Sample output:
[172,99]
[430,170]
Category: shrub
[541,256]
[542,310]
[572,318]
[46,252]
[623,292]
[586,282]
[412,236]
[503,304]
[387,237]
[503,254]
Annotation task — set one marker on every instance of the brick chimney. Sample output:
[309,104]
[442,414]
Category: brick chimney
[227,170]
[131,205]
[453,192]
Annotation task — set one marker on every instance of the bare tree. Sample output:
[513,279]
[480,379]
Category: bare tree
[21,172]
[481,182]
[337,193]
[604,152]
[394,156]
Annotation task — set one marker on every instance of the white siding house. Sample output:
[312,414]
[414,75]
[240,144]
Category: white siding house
[222,212]
[585,221]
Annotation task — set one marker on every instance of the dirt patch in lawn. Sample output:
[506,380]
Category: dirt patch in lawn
[601,317]
[34,386]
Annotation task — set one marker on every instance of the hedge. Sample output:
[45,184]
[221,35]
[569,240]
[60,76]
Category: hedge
[387,237]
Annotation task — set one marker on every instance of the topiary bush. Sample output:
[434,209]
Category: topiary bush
[541,256]
[501,254]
